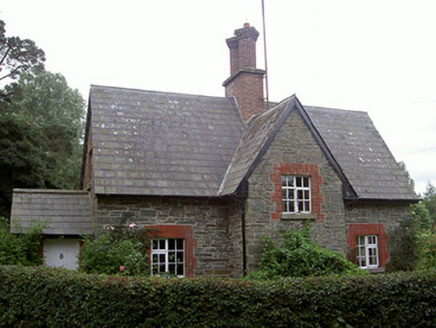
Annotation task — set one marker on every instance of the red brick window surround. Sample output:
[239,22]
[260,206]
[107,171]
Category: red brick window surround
[368,229]
[297,169]
[178,232]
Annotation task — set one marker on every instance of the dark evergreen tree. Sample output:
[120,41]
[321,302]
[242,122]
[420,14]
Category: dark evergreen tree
[41,126]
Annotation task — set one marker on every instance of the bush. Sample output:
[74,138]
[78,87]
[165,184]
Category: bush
[121,250]
[22,249]
[412,244]
[45,297]
[428,251]
[298,256]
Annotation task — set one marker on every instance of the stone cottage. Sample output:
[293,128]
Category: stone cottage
[213,174]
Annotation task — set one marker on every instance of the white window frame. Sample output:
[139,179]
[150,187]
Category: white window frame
[296,194]
[367,253]
[168,259]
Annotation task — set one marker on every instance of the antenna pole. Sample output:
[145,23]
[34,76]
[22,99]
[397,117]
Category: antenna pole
[266,61]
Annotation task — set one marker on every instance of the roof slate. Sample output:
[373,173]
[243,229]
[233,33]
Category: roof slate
[361,153]
[64,212]
[158,143]
[252,143]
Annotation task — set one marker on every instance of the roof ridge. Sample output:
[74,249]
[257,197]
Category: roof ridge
[159,92]
[335,109]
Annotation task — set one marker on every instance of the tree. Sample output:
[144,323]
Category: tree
[41,127]
[404,247]
[421,215]
[18,56]
[429,200]
[403,168]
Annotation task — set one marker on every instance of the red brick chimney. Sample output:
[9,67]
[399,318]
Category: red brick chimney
[245,82]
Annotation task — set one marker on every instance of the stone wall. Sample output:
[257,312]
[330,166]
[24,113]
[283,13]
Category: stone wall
[390,214]
[294,147]
[216,225]
[374,218]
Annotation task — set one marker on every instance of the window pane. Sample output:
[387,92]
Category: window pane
[172,268]
[306,194]
[162,258]
[307,206]
[298,181]
[171,244]
[300,194]
[154,244]
[162,244]
[300,206]
[180,270]
[180,244]
[284,206]
[306,182]
[179,257]
[284,181]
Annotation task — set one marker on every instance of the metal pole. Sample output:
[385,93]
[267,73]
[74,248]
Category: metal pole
[266,61]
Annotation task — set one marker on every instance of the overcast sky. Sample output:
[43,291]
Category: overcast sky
[377,56]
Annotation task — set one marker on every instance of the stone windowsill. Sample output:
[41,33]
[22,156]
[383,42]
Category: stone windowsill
[376,270]
[298,216]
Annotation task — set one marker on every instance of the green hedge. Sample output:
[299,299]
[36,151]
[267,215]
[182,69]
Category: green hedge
[48,297]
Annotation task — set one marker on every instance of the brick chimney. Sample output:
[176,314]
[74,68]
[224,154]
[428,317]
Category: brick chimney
[245,82]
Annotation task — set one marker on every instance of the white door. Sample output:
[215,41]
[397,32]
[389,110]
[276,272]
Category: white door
[61,253]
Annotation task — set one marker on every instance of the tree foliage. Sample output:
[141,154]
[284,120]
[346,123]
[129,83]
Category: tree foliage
[298,256]
[41,126]
[403,168]
[121,250]
[413,244]
[404,247]
[23,249]
[429,200]
[18,56]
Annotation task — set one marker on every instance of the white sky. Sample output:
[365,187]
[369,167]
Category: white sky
[377,56]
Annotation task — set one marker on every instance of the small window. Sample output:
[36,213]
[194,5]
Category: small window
[296,195]
[168,256]
[367,251]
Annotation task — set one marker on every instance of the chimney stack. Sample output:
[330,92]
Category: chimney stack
[245,82]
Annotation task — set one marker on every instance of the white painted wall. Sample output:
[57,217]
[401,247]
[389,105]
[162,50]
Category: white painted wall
[61,253]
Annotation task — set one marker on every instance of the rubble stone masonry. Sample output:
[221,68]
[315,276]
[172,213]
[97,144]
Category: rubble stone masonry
[294,149]
[216,229]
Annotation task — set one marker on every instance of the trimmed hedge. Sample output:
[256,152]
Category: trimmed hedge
[48,297]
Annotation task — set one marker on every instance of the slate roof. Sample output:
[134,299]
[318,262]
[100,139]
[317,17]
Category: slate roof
[158,143]
[256,138]
[361,153]
[64,212]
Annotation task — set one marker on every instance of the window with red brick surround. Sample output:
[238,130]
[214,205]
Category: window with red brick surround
[178,231]
[365,229]
[297,169]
